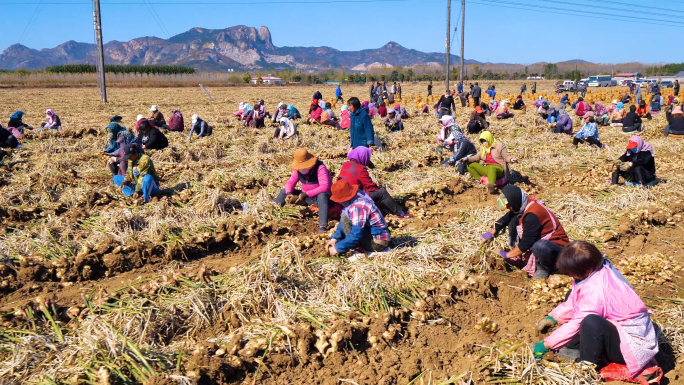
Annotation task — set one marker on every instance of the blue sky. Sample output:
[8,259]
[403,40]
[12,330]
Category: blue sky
[496,33]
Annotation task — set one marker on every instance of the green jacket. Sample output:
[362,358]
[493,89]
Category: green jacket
[145,167]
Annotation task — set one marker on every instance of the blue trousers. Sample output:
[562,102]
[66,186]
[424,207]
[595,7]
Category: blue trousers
[149,186]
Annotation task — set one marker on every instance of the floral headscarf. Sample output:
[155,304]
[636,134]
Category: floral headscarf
[600,109]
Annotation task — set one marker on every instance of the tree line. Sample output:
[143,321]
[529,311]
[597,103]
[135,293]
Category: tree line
[121,69]
[666,70]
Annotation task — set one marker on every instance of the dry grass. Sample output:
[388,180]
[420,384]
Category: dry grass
[137,333]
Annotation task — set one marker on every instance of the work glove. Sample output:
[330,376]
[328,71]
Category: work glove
[502,253]
[539,350]
[135,171]
[547,322]
[291,199]
[301,199]
[487,237]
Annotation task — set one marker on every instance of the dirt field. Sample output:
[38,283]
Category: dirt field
[190,288]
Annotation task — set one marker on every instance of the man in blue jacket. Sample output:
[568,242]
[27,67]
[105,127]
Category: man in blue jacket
[338,94]
[360,128]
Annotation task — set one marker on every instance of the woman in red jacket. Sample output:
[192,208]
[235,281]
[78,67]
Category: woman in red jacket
[382,110]
[355,172]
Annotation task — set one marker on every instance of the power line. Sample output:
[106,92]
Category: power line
[636,5]
[159,18]
[613,9]
[563,11]
[29,25]
[595,13]
[582,12]
[156,18]
[224,3]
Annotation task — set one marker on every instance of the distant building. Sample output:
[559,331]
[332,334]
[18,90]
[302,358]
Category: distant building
[625,75]
[679,74]
[267,80]
[333,82]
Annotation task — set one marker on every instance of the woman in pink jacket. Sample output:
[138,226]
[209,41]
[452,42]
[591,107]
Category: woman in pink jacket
[603,321]
[315,180]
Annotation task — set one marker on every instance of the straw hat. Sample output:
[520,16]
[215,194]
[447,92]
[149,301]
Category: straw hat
[303,160]
[342,191]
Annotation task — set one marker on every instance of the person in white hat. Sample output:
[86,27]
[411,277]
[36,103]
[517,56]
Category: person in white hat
[502,112]
[281,111]
[200,127]
[286,130]
[157,117]
[139,119]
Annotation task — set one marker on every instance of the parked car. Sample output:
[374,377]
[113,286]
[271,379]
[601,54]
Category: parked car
[667,84]
[567,86]
[600,81]
[641,83]
[625,82]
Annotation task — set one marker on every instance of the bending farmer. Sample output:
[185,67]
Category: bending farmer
[315,179]
[535,234]
[141,172]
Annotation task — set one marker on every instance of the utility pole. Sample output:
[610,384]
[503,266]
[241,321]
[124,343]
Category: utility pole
[462,37]
[448,39]
[100,50]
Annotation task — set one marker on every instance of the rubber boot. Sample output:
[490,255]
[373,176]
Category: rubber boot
[541,272]
[569,354]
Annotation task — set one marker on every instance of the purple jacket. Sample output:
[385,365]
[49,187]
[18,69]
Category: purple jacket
[564,123]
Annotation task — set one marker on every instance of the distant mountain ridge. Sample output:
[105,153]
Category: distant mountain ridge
[237,48]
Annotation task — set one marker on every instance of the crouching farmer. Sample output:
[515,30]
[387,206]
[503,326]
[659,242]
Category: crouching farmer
[603,321]
[361,223]
[315,179]
[141,172]
[355,172]
[535,234]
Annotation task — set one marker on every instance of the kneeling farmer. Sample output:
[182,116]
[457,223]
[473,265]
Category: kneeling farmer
[141,171]
[361,223]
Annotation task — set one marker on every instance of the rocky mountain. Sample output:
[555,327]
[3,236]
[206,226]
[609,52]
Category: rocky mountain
[237,48]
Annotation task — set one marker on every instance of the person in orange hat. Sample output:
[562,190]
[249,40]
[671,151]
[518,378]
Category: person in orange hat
[639,164]
[361,223]
[308,170]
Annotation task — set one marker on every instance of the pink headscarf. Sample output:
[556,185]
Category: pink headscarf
[641,145]
[49,115]
[360,154]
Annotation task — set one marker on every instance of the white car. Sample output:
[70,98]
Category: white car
[600,81]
